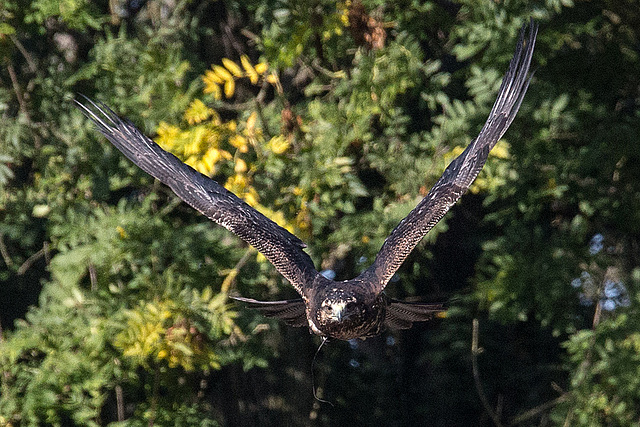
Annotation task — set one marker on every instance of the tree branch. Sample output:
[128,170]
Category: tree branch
[533,412]
[475,350]
[27,264]
[30,61]
[231,275]
[5,253]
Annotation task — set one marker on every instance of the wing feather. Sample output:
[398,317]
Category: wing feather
[402,314]
[281,248]
[293,311]
[459,175]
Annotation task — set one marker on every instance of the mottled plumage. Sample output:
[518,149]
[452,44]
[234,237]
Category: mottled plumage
[349,309]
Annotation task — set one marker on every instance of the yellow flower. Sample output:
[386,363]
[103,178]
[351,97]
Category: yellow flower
[214,89]
[240,142]
[211,84]
[236,183]
[251,72]
[455,152]
[343,11]
[197,112]
[211,157]
[302,220]
[261,67]
[278,144]
[229,88]
[222,73]
[251,197]
[272,78]
[197,136]
[233,67]
[123,233]
[501,150]
[226,155]
[232,126]
[241,166]
[251,123]
[192,161]
[167,135]
[201,167]
[212,77]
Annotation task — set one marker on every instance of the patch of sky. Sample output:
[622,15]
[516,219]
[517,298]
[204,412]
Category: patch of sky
[329,274]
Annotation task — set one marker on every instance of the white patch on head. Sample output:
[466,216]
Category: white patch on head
[339,306]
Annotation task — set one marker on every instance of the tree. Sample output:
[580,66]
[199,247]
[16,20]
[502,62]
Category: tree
[334,119]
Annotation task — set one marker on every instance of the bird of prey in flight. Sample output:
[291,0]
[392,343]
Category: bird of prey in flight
[356,308]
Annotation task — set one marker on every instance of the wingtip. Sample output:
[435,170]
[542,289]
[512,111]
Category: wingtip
[242,299]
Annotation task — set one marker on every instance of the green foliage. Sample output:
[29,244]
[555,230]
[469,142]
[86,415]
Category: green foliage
[177,414]
[58,365]
[605,380]
[76,14]
[182,333]
[334,119]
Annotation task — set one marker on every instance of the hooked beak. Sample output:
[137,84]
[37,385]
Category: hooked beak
[339,312]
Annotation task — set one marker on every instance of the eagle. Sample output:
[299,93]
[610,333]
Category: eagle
[356,308]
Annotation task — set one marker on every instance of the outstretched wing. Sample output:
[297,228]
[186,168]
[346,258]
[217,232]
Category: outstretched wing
[282,248]
[291,311]
[459,175]
[402,314]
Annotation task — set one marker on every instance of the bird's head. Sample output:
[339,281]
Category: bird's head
[341,310]
[345,310]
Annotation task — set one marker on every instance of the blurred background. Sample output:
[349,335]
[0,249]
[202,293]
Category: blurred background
[334,119]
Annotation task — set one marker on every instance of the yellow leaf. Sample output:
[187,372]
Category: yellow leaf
[239,142]
[241,166]
[210,159]
[202,167]
[233,67]
[251,122]
[455,152]
[278,144]
[212,156]
[123,234]
[213,77]
[214,89]
[222,73]
[253,78]
[167,135]
[236,183]
[244,60]
[261,67]
[229,88]
[197,112]
[251,197]
[251,72]
[198,135]
[501,150]
[192,161]
[272,78]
